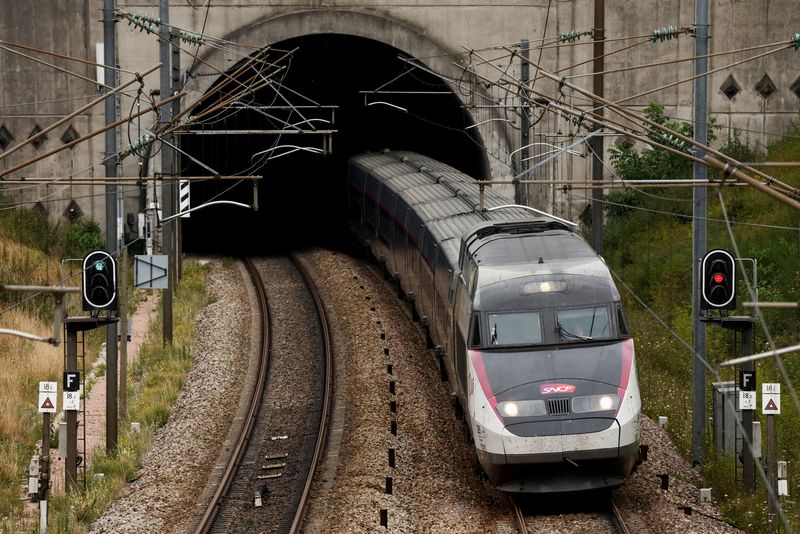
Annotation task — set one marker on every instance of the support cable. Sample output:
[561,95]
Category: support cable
[626,113]
[62,56]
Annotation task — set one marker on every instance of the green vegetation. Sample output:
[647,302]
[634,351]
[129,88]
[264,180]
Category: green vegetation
[648,244]
[31,253]
[30,249]
[154,383]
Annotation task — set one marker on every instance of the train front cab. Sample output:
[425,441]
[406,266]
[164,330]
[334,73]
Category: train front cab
[563,418]
[548,380]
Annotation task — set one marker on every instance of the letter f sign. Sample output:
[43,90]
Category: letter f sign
[72,381]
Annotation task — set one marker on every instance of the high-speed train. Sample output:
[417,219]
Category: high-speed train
[524,315]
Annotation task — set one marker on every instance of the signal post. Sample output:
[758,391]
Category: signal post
[718,292]
[99,277]
[73,325]
[98,292]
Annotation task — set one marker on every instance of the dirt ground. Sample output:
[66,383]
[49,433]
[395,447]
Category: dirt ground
[95,402]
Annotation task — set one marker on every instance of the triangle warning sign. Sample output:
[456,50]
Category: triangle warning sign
[47,404]
[771,406]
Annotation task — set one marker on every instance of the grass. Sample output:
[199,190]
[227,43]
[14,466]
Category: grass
[155,380]
[24,364]
[652,254]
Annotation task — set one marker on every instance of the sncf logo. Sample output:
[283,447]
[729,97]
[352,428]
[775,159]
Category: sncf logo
[546,389]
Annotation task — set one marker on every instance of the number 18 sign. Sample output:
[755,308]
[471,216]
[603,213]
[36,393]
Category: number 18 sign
[747,400]
[771,399]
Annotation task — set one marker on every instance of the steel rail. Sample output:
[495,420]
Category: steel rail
[326,397]
[616,518]
[519,517]
[230,471]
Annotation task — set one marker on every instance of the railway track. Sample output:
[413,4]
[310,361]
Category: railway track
[569,514]
[267,480]
[404,434]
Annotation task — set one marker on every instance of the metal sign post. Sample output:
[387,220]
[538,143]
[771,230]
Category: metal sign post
[771,406]
[47,405]
[747,394]
[73,325]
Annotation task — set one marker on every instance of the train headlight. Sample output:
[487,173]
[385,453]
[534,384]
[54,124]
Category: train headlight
[547,286]
[595,403]
[522,408]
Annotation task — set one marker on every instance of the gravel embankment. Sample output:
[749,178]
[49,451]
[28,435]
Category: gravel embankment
[162,498]
[434,489]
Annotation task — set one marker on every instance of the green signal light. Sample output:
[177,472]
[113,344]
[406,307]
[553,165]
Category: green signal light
[99,266]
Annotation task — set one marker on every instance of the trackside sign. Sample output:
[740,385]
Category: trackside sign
[771,399]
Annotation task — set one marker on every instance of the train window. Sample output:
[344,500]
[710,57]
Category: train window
[583,323]
[475,331]
[519,328]
[622,321]
[472,278]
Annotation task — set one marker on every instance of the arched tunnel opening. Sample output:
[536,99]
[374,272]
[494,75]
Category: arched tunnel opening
[302,196]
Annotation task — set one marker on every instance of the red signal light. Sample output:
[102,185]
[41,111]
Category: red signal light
[718,290]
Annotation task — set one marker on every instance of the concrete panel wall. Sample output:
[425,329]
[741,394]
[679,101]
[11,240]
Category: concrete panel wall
[33,94]
[421,29]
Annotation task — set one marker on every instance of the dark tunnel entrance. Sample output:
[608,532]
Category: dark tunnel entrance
[302,195]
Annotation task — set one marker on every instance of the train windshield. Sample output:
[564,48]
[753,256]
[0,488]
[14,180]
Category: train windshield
[583,324]
[520,328]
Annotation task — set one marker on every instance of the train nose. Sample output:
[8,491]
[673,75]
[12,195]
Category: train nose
[563,428]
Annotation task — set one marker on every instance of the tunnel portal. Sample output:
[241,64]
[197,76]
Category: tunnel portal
[302,194]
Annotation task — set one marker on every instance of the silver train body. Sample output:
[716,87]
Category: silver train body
[524,314]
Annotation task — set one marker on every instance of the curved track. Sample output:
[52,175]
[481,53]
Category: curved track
[235,474]
[263,362]
[326,400]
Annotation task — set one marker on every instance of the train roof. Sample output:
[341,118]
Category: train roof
[536,252]
[420,179]
[549,252]
[448,203]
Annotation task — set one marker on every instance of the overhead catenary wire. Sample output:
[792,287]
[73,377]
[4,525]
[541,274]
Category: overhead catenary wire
[672,61]
[603,56]
[715,372]
[176,121]
[228,78]
[707,73]
[138,20]
[5,172]
[642,137]
[607,40]
[778,361]
[48,101]
[782,44]
[56,67]
[62,56]
[628,114]
[600,122]
[77,112]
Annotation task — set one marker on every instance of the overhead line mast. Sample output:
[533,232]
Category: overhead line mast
[112,237]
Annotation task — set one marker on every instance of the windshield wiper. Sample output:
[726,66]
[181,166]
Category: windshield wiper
[567,334]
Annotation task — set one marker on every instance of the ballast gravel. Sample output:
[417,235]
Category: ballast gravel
[398,459]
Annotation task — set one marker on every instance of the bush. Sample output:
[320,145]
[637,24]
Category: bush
[648,243]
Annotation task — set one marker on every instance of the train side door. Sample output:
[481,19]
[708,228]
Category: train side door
[461,318]
[372,188]
[408,240]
